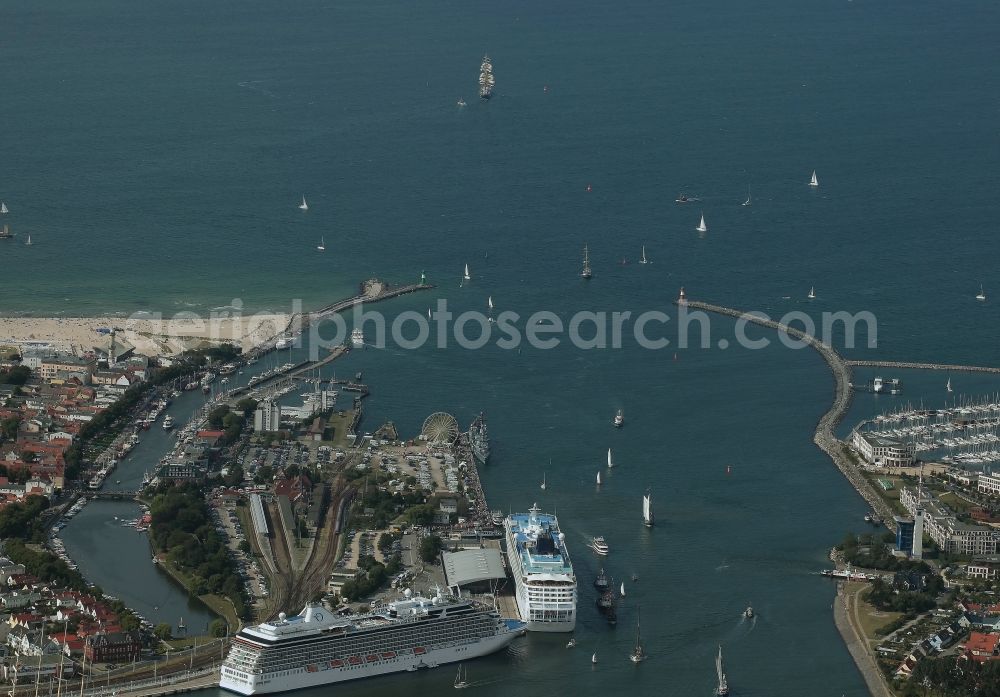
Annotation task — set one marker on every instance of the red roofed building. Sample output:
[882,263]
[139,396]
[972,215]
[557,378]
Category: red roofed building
[210,437]
[982,647]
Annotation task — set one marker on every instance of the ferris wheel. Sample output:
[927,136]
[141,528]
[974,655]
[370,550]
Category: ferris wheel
[440,427]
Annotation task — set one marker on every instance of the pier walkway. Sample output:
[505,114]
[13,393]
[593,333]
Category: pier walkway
[923,366]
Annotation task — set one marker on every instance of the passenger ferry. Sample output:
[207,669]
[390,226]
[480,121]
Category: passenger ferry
[317,647]
[545,585]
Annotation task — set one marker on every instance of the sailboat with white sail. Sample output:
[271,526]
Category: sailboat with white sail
[701,226]
[722,690]
[749,198]
[611,463]
[638,654]
[303,206]
[28,241]
[542,487]
[466,276]
[621,591]
[598,479]
[3,208]
[461,678]
[322,244]
[982,294]
[642,259]
[812,293]
[814,181]
[647,509]
[948,385]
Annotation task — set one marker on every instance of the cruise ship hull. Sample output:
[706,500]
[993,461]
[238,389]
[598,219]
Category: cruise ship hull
[326,675]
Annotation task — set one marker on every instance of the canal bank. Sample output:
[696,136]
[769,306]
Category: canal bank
[118,559]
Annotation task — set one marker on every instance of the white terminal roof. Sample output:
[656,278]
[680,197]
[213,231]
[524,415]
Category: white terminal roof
[472,565]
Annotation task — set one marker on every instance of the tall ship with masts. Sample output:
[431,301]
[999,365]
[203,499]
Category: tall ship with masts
[479,439]
[486,79]
[316,647]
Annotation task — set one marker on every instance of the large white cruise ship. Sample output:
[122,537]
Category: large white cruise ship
[545,585]
[318,647]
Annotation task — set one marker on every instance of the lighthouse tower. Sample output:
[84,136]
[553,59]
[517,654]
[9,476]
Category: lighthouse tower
[918,521]
[682,299]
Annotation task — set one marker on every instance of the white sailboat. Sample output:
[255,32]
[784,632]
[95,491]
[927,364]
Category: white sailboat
[812,293]
[748,201]
[28,241]
[598,479]
[610,461]
[543,482]
[461,678]
[948,386]
[701,226]
[814,181]
[593,658]
[642,259]
[638,654]
[428,313]
[723,688]
[322,244]
[3,207]
[304,206]
[647,509]
[982,293]
[621,590]
[466,277]
[489,304]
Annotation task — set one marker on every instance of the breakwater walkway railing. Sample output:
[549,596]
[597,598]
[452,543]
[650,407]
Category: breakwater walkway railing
[923,366]
[824,437]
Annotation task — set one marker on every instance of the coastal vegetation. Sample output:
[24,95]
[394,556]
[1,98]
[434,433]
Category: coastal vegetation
[182,529]
[952,675]
[870,551]
[22,520]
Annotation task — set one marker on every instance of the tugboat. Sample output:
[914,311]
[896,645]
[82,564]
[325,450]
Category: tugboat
[601,582]
[619,419]
[486,79]
[748,613]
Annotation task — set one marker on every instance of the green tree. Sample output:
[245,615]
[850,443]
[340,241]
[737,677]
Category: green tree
[430,547]
[18,375]
[8,427]
[216,416]
[163,631]
[218,628]
[247,405]
[265,475]
[245,547]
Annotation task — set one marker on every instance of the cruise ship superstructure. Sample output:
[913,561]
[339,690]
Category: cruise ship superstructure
[317,647]
[544,582]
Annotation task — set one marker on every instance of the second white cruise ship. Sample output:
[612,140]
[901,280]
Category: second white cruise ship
[545,585]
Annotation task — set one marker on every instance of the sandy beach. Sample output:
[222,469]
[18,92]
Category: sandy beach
[150,336]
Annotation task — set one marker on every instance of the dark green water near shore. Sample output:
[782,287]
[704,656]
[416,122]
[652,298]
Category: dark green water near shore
[157,155]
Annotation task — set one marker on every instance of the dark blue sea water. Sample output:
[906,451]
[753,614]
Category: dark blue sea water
[157,153]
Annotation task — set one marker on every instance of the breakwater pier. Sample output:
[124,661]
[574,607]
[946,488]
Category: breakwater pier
[824,436]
